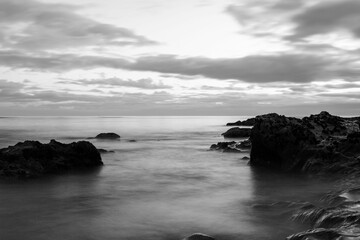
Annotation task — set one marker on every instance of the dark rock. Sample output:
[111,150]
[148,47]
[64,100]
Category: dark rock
[329,223]
[245,158]
[101,150]
[199,236]
[319,143]
[232,146]
[316,234]
[237,132]
[107,136]
[324,125]
[32,158]
[132,140]
[247,122]
[246,144]
[225,147]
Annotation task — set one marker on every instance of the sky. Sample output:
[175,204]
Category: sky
[179,57]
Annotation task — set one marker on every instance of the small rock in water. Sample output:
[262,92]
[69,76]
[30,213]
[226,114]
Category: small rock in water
[107,136]
[245,158]
[101,150]
[246,144]
[199,236]
[225,147]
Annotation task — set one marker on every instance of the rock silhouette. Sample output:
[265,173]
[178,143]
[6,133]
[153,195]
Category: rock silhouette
[107,136]
[319,143]
[32,158]
[237,132]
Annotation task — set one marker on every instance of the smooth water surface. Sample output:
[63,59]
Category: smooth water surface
[166,185]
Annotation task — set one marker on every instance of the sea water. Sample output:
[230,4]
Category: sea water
[160,182]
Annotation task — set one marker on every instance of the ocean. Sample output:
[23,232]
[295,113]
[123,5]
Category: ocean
[164,185]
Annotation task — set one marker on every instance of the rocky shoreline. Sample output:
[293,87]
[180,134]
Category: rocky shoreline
[319,144]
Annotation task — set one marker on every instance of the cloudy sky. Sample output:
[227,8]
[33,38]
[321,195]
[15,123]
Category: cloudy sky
[179,57]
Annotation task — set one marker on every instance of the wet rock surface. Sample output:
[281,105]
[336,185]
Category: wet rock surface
[101,150]
[341,220]
[32,158]
[237,132]
[319,143]
[108,136]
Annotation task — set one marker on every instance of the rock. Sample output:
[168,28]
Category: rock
[330,223]
[247,122]
[225,147]
[231,146]
[101,150]
[245,158]
[237,132]
[32,158]
[132,140]
[246,144]
[199,236]
[324,125]
[107,136]
[319,143]
[316,234]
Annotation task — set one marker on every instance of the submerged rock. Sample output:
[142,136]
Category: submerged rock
[232,146]
[199,236]
[237,132]
[247,122]
[107,136]
[32,158]
[246,144]
[319,143]
[225,147]
[101,150]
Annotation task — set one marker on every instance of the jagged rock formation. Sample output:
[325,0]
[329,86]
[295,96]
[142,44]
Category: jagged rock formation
[32,158]
[237,132]
[247,122]
[319,143]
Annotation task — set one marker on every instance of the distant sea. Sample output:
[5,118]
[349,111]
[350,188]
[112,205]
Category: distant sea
[164,185]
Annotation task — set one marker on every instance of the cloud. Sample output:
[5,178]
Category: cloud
[257,68]
[286,5]
[34,25]
[253,69]
[328,16]
[145,83]
[11,91]
[56,62]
